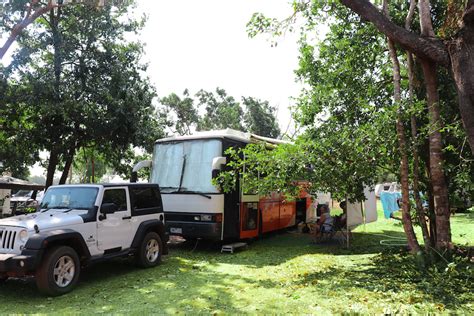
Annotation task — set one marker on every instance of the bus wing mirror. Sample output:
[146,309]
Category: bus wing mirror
[217,164]
[138,166]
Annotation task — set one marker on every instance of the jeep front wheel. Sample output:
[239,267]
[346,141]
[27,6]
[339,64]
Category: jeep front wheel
[59,272]
[149,254]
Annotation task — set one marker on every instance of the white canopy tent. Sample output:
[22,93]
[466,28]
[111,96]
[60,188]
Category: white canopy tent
[361,212]
[357,214]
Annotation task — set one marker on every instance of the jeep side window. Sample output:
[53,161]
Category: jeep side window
[117,196]
[145,198]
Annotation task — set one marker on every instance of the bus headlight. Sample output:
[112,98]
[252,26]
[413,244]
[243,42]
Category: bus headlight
[207,218]
[23,235]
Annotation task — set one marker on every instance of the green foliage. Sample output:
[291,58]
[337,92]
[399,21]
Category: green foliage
[259,117]
[78,83]
[210,111]
[345,109]
[90,166]
[221,111]
[15,152]
[262,170]
[185,110]
[341,162]
[349,123]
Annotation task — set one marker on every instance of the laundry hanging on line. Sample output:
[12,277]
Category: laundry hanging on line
[390,202]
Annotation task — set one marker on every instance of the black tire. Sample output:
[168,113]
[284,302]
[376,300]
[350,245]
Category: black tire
[149,253]
[48,281]
[3,278]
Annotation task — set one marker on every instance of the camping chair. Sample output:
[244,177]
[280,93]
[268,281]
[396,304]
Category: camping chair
[323,236]
[337,231]
[326,235]
[341,232]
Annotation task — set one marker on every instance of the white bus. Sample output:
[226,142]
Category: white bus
[183,167]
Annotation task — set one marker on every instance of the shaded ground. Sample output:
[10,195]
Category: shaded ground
[279,274]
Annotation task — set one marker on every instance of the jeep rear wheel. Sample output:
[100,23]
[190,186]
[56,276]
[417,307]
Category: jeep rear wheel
[59,272]
[149,254]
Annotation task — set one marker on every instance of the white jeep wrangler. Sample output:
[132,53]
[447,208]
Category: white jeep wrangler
[76,225]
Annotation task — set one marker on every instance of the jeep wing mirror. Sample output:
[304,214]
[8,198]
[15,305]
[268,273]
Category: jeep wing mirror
[217,165]
[109,208]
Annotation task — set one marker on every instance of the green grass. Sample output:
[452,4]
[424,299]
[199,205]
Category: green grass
[282,273]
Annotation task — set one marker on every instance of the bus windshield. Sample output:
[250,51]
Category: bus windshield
[185,166]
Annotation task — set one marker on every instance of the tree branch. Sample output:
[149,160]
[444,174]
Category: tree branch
[410,15]
[18,28]
[424,47]
[468,16]
[31,17]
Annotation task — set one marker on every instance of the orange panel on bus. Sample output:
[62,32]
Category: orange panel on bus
[270,215]
[287,214]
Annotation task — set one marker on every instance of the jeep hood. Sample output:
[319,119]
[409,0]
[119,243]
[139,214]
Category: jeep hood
[46,220]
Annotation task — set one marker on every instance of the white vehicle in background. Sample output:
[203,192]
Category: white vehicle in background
[25,201]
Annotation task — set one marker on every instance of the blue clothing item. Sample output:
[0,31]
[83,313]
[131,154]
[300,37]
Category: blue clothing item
[389,202]
[328,223]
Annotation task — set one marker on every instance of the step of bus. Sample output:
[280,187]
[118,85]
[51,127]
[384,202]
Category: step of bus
[232,247]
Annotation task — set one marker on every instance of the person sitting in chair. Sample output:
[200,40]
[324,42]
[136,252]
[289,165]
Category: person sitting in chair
[325,222]
[341,220]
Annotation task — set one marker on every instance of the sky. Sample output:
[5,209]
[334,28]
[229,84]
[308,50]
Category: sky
[204,44]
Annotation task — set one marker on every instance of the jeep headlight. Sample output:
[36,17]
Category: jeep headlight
[23,235]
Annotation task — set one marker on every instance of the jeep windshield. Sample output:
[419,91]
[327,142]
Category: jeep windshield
[185,166]
[69,198]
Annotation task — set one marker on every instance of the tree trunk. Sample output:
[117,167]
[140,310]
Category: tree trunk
[426,24]
[404,174]
[414,134]
[67,164]
[438,179]
[461,51]
[52,163]
[431,215]
[57,56]
[416,186]
[402,147]
[429,190]
[92,169]
[416,162]
[416,159]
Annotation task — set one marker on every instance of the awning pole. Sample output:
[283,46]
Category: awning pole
[347,226]
[363,213]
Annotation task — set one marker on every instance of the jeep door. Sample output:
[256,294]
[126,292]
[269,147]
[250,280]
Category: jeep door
[114,230]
